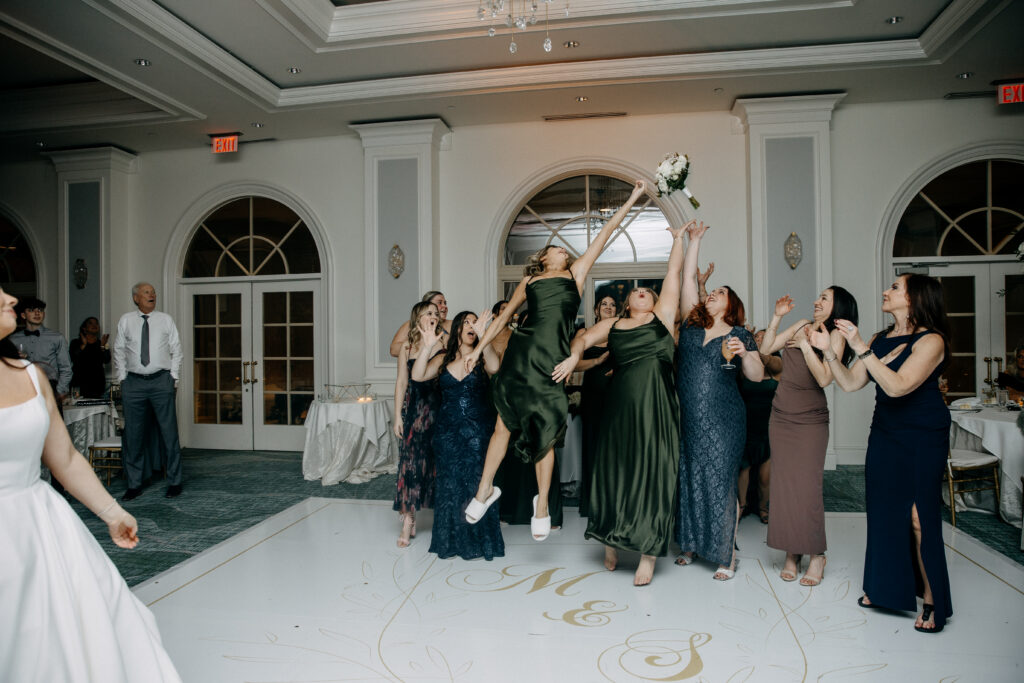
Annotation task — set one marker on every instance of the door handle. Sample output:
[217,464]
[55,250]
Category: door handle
[988,364]
[245,372]
[254,380]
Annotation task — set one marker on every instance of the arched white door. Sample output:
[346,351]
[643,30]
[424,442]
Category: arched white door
[251,331]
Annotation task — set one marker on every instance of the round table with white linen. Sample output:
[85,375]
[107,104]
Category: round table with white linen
[89,424]
[349,441]
[995,431]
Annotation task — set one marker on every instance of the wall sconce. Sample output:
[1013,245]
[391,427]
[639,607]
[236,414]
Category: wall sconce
[793,250]
[396,261]
[80,273]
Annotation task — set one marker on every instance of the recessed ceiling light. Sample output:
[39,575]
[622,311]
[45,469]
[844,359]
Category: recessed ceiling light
[964,75]
[256,124]
[894,20]
[718,91]
[294,70]
[141,62]
[40,144]
[571,44]
[582,98]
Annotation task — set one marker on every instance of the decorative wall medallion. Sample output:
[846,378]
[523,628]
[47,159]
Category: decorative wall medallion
[396,261]
[80,273]
[793,249]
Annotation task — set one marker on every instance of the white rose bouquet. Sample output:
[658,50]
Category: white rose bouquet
[671,176]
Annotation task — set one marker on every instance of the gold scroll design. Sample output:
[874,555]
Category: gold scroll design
[492,581]
[587,616]
[655,655]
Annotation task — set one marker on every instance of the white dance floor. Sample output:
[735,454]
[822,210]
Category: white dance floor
[321,593]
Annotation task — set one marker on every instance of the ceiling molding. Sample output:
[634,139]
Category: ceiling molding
[324,28]
[598,72]
[16,30]
[70,106]
[94,159]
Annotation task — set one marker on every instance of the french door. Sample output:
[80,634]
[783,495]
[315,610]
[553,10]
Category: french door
[253,372]
[985,305]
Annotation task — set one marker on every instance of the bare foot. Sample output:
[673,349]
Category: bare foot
[684,559]
[790,569]
[645,571]
[611,558]
[408,526]
[483,494]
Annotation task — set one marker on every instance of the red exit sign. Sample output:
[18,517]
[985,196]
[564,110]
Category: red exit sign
[1011,93]
[222,144]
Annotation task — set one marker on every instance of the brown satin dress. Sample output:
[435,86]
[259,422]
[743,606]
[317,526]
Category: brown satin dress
[798,433]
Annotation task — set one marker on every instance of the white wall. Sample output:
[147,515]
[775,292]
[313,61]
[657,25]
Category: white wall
[875,148]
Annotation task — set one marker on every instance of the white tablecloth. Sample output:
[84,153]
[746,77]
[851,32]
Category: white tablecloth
[89,424]
[994,431]
[349,441]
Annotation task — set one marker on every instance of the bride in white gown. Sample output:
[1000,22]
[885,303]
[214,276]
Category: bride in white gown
[65,612]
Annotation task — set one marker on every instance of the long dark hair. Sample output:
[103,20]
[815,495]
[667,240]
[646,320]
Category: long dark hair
[452,349]
[735,314]
[9,352]
[927,307]
[81,328]
[844,307]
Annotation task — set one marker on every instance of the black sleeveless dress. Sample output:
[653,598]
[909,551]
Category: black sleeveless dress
[530,403]
[907,451]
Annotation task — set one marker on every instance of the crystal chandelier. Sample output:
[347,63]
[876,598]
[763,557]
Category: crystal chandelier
[525,16]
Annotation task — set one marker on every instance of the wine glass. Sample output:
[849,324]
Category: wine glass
[21,351]
[727,353]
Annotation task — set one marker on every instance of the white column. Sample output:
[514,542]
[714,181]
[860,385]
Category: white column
[93,209]
[790,192]
[401,208]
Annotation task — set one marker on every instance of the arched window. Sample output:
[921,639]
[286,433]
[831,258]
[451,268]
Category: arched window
[569,212]
[973,210]
[17,267]
[965,227]
[251,236]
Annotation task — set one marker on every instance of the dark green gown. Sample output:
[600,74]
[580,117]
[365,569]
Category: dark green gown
[634,488]
[531,405]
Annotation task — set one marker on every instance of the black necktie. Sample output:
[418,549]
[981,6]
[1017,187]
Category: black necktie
[31,333]
[144,356]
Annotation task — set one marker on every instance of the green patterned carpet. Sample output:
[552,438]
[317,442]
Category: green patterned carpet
[229,491]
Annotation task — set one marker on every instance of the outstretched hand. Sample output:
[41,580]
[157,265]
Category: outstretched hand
[563,371]
[481,323]
[783,305]
[124,531]
[696,230]
[639,189]
[702,278]
[429,333]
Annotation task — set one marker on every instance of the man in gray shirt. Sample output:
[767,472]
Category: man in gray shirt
[44,346]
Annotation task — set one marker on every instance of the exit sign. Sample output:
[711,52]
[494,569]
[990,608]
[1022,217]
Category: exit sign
[222,144]
[1011,93]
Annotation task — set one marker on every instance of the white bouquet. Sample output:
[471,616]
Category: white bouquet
[671,176]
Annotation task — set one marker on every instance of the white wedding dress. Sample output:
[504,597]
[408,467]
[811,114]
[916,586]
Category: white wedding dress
[66,615]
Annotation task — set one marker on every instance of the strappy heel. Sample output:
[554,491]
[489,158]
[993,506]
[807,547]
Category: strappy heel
[926,614]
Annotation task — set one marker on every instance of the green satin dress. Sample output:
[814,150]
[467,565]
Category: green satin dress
[531,405]
[634,489]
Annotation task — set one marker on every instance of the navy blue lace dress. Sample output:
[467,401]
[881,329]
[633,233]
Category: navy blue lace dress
[907,451]
[415,488]
[462,430]
[714,433]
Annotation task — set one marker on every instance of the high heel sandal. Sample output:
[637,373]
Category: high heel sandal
[812,581]
[789,576]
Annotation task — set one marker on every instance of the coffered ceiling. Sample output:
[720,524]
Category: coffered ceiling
[305,68]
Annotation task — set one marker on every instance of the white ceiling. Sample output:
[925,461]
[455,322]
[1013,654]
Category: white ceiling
[220,65]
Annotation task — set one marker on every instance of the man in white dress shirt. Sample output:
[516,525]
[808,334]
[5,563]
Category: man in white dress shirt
[147,362]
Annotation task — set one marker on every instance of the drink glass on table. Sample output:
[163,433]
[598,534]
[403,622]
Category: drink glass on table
[727,353]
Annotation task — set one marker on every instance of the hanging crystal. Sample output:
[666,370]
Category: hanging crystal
[512,47]
[491,32]
[547,44]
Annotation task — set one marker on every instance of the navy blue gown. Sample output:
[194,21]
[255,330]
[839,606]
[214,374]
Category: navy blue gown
[714,434]
[907,451]
[462,430]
